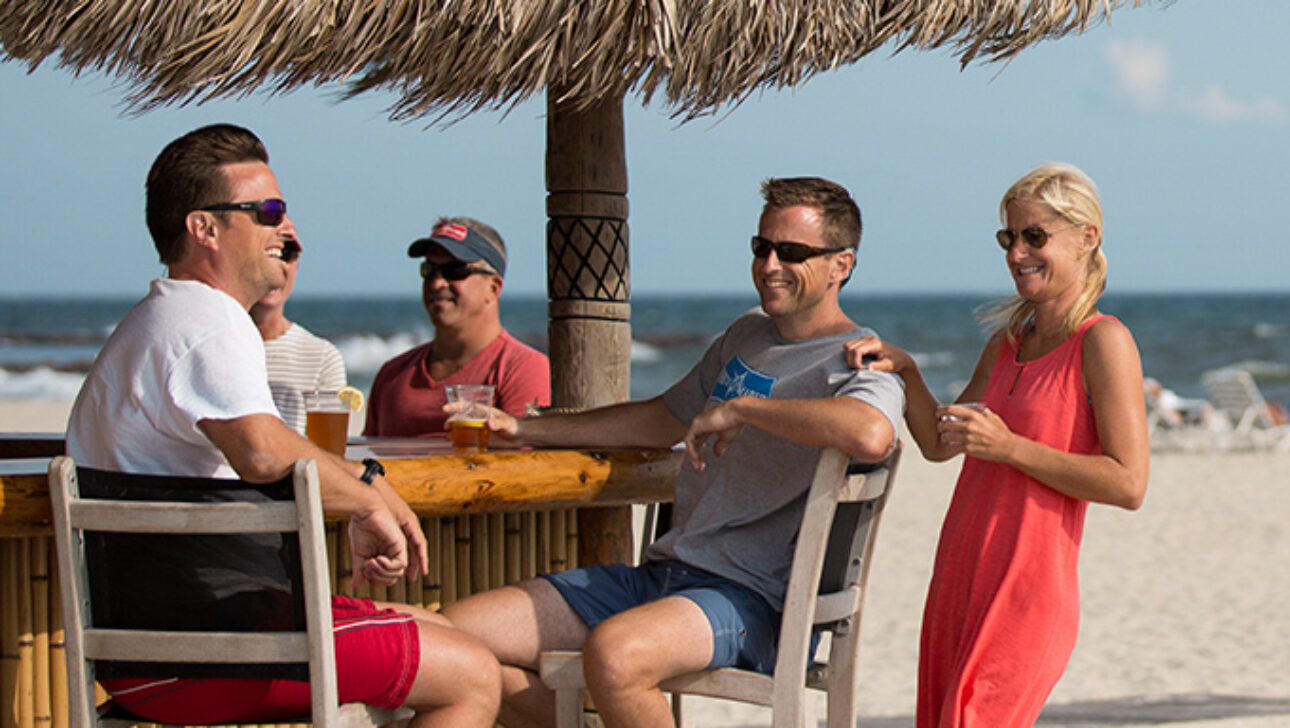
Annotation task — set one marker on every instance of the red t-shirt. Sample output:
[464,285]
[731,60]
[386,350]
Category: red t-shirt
[406,402]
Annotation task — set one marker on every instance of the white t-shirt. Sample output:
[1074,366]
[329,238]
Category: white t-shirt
[298,362]
[185,353]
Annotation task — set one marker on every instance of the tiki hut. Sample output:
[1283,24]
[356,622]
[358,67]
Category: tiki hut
[445,60]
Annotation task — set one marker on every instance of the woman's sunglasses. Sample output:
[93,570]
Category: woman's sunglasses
[786,251]
[1034,236]
[269,212]
[454,271]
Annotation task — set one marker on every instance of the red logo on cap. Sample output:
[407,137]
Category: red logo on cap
[448,230]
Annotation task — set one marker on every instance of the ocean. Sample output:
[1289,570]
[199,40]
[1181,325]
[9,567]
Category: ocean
[47,344]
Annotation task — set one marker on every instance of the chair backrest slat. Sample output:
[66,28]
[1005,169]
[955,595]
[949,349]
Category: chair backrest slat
[182,518]
[172,646]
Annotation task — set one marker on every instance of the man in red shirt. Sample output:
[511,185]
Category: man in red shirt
[464,262]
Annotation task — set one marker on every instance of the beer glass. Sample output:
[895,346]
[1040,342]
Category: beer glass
[468,428]
[327,420]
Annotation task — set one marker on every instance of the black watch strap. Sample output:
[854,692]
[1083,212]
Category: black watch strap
[371,469]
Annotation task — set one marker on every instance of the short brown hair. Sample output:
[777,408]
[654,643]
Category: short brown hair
[187,176]
[841,225]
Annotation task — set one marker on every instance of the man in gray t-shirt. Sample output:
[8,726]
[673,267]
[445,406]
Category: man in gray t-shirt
[754,414]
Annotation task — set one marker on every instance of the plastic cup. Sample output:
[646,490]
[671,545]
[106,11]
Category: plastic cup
[468,428]
[327,420]
[978,406]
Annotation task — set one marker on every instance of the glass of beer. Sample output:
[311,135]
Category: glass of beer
[468,428]
[327,420]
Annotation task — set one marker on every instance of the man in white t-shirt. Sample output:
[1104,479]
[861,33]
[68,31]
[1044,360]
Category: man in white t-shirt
[180,388]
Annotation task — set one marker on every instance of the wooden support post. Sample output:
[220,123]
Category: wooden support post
[588,283]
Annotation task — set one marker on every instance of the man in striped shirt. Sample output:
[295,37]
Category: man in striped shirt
[298,361]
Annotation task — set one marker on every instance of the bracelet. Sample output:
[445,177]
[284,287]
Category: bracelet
[371,469]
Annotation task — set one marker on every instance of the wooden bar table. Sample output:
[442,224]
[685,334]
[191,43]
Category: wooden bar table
[433,479]
[490,518]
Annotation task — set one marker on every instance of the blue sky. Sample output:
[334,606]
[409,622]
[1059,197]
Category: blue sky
[1181,113]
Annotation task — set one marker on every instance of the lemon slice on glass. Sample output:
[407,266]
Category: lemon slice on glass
[352,396]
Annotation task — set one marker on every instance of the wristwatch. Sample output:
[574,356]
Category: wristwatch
[371,469]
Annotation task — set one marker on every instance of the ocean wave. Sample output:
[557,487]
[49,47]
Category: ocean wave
[40,382]
[364,354]
[1261,370]
[1264,330]
[643,353]
[933,360]
[1264,369]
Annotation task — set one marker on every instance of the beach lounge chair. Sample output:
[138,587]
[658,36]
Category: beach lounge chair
[1235,393]
[826,590]
[89,645]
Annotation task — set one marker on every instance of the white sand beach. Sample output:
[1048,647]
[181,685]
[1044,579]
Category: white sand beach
[1186,603]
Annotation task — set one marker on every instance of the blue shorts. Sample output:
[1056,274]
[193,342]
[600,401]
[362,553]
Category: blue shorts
[745,629]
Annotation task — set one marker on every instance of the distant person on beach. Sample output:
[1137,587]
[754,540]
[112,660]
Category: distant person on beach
[180,388]
[754,414]
[298,361]
[464,263]
[1172,411]
[1052,419]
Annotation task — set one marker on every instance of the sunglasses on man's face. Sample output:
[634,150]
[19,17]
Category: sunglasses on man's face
[454,271]
[269,212]
[1034,236]
[788,252]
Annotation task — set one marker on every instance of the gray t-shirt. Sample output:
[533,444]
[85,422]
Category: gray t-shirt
[739,517]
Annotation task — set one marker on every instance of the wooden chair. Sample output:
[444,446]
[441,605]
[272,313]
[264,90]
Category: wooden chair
[826,590]
[88,644]
[1235,393]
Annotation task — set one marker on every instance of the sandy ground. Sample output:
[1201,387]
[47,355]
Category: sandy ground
[1185,603]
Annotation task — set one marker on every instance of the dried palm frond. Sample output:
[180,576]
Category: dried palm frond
[453,57]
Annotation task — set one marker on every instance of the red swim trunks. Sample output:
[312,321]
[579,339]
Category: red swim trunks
[377,653]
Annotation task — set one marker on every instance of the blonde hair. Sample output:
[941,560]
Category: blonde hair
[1069,193]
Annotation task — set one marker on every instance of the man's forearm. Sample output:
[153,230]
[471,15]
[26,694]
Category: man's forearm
[262,449]
[647,423]
[854,427]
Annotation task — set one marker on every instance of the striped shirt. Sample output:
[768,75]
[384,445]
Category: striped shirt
[299,362]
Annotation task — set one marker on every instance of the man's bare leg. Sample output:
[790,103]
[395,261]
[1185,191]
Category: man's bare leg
[458,682]
[518,623]
[628,655]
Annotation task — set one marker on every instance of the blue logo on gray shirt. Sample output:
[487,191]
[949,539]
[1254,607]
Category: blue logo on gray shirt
[740,380]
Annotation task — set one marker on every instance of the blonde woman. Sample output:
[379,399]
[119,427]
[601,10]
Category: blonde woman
[1052,418]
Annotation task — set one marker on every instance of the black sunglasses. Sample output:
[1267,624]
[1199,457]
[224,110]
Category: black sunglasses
[1034,236]
[269,212]
[788,252]
[454,271]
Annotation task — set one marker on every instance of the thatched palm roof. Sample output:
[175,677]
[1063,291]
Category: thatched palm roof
[457,56]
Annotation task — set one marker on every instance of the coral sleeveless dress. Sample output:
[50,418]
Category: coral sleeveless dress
[1002,609]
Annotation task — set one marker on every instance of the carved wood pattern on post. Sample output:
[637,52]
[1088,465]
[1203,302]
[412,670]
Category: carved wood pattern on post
[587,258]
